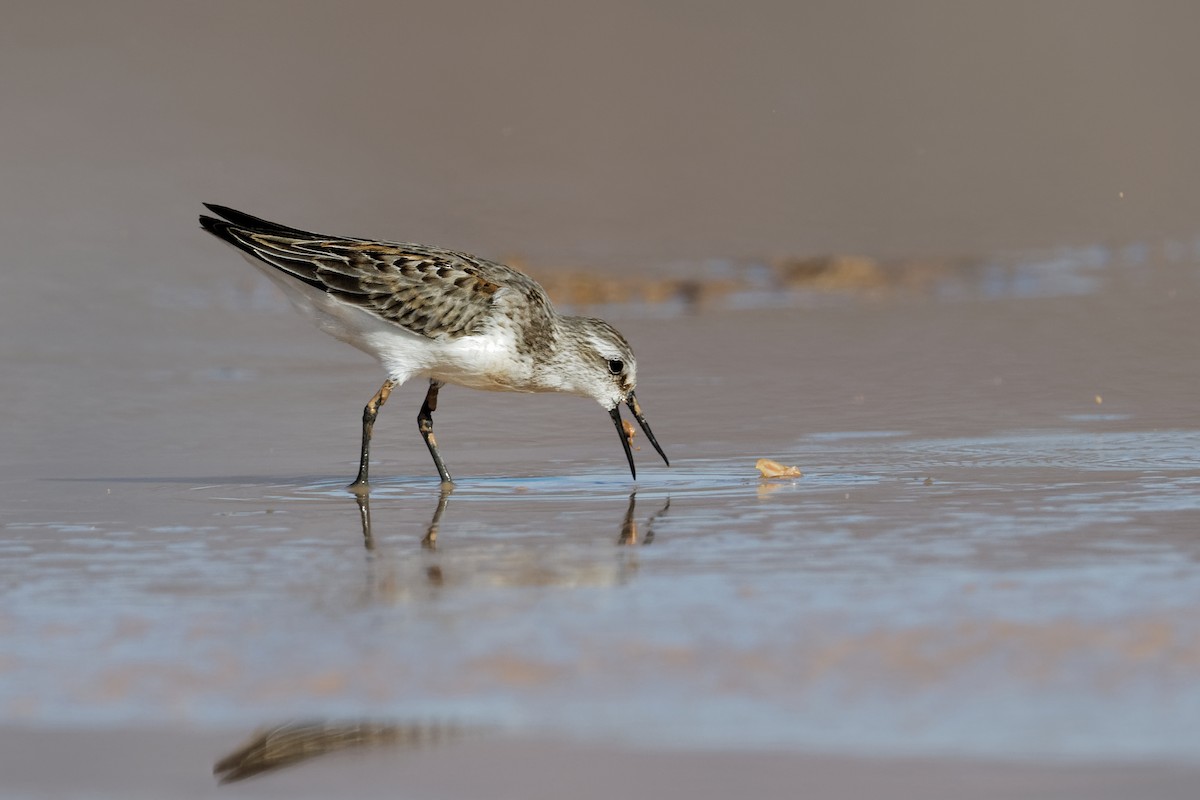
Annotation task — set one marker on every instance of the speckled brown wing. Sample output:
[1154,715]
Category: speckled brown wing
[428,291]
[425,291]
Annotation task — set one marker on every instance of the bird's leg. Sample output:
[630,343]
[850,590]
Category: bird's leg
[425,424]
[369,413]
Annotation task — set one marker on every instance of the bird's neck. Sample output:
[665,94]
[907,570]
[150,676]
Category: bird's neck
[558,369]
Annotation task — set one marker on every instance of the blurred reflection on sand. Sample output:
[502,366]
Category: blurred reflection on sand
[288,744]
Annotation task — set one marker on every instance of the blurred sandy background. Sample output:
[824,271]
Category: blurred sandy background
[618,134]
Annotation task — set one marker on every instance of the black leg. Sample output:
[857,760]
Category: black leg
[425,424]
[369,413]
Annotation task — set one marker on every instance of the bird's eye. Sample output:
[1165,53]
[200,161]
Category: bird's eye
[615,365]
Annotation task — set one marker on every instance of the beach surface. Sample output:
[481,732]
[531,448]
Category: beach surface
[853,243]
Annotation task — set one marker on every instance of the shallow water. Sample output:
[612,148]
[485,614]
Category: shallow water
[856,609]
[1012,592]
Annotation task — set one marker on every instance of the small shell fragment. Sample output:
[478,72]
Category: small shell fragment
[630,432]
[773,469]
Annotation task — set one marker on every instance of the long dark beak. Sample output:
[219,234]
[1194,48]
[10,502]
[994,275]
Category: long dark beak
[632,402]
[616,418]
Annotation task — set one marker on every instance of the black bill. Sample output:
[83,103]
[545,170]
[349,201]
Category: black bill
[632,402]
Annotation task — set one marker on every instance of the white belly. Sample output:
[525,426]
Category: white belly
[486,361]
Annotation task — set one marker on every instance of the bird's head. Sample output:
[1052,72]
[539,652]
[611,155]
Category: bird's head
[601,365]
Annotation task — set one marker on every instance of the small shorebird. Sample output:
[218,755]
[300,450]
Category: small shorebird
[447,316]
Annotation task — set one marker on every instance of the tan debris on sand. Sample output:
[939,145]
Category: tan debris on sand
[773,469]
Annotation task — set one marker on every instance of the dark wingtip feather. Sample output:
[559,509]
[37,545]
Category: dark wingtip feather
[237,226]
[209,223]
[217,227]
[250,222]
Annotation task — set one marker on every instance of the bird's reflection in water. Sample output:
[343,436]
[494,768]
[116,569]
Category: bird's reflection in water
[291,743]
[273,748]
[429,541]
[628,534]
[629,531]
[390,576]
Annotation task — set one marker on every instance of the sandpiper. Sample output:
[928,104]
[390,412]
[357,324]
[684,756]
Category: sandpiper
[447,316]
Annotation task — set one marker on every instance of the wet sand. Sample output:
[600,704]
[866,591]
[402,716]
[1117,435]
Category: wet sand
[982,565]
[985,581]
[170,763]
